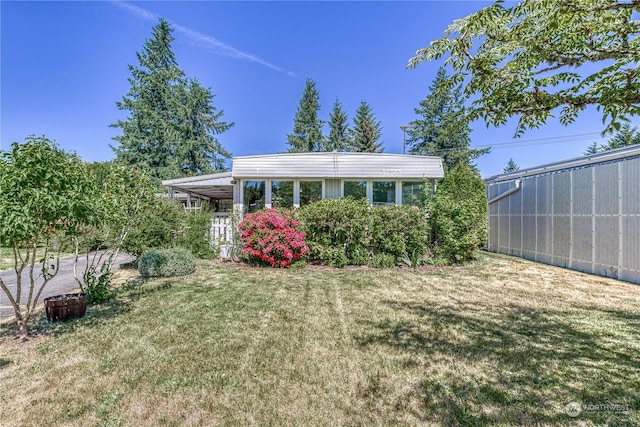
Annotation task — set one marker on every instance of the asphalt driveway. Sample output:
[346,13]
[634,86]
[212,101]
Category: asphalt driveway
[63,283]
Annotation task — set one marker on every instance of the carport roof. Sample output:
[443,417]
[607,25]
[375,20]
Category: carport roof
[214,186]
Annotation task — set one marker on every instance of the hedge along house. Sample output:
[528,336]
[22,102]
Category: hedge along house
[296,179]
[582,213]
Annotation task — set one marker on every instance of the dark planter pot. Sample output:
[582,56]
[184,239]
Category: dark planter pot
[66,307]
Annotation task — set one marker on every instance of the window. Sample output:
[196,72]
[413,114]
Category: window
[282,194]
[413,192]
[355,189]
[310,191]
[384,192]
[253,195]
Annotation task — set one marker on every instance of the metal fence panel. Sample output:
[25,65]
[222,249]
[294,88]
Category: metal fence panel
[586,218]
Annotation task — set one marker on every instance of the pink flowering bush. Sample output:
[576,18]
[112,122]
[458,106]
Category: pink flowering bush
[273,237]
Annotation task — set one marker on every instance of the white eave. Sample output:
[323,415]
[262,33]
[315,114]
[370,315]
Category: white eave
[576,162]
[337,165]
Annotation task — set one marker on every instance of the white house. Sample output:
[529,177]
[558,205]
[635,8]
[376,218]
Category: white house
[296,179]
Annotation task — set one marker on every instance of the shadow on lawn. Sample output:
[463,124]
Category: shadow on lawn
[126,294]
[518,366]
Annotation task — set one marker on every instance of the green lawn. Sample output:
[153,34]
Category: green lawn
[501,342]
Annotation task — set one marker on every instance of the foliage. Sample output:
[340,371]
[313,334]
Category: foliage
[350,232]
[44,199]
[366,131]
[511,166]
[339,138]
[442,128]
[458,214]
[307,126]
[530,59]
[155,227]
[624,137]
[118,196]
[337,230]
[171,125]
[273,237]
[196,233]
[166,263]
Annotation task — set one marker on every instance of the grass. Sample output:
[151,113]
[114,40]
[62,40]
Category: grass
[501,342]
[6,257]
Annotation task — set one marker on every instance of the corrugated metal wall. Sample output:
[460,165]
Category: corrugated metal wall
[585,218]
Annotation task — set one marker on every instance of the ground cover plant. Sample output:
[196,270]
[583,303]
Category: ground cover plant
[500,341]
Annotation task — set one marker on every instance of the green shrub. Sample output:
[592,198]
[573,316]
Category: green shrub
[399,231]
[459,214]
[166,263]
[350,232]
[196,233]
[383,261]
[335,226]
[155,228]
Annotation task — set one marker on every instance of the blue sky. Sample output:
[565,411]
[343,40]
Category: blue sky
[65,64]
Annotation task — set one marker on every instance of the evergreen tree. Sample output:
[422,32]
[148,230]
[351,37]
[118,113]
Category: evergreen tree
[624,137]
[307,127]
[593,149]
[168,131]
[200,151]
[443,127]
[511,167]
[366,131]
[339,138]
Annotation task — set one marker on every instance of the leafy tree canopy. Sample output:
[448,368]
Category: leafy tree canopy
[528,60]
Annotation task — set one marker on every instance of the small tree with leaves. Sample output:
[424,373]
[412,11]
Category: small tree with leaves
[45,198]
[307,126]
[366,131]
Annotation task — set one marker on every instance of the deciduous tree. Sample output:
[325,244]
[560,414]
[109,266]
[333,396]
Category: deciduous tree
[45,198]
[543,57]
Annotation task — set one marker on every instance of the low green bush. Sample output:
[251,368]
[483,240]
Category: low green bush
[166,263]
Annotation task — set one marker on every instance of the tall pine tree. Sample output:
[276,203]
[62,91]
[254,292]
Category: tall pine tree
[307,126]
[443,127]
[511,166]
[339,138]
[171,122]
[366,131]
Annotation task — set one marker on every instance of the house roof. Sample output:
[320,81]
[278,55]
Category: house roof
[215,186]
[337,165]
